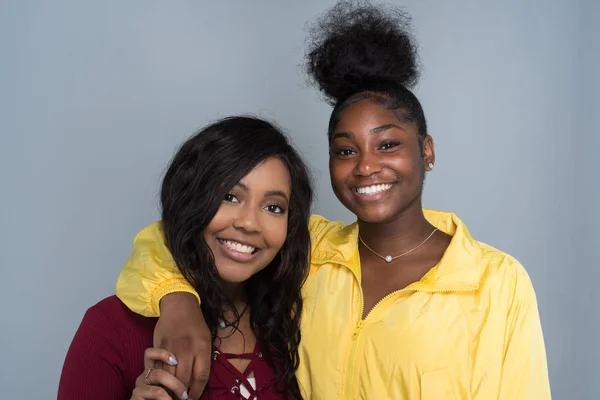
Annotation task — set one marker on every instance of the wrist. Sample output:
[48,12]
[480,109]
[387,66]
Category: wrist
[177,301]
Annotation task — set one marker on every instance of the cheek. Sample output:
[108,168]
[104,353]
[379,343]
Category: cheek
[218,223]
[209,239]
[338,172]
[276,234]
[407,166]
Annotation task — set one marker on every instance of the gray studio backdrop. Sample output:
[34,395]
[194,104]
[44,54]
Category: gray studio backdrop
[95,97]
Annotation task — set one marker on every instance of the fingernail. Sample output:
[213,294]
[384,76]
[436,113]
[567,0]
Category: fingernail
[184,395]
[172,360]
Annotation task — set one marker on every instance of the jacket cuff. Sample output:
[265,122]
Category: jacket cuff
[171,286]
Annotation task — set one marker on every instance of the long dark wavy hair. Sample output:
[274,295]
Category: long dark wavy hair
[200,175]
[358,51]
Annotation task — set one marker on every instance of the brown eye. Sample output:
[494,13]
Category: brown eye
[389,145]
[230,197]
[344,152]
[275,209]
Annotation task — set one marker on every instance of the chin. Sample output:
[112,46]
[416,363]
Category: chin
[371,214]
[235,277]
[374,217]
[382,212]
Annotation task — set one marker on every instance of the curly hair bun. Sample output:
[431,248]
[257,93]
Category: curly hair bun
[356,44]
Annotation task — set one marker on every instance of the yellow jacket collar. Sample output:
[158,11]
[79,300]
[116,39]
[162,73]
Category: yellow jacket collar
[458,270]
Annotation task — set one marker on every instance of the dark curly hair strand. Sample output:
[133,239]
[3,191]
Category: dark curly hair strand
[202,172]
[358,51]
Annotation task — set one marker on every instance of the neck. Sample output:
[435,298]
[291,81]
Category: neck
[236,292]
[398,235]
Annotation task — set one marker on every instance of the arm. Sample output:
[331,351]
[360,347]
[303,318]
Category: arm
[150,273]
[92,368]
[524,369]
[150,284]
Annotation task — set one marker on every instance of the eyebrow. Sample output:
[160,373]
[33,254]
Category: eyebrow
[242,186]
[374,131]
[384,128]
[276,193]
[346,135]
[268,193]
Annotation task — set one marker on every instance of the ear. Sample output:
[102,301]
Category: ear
[428,153]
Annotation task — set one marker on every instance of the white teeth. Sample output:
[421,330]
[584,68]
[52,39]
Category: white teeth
[373,189]
[242,248]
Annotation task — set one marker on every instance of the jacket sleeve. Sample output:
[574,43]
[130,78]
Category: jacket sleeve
[150,273]
[524,369]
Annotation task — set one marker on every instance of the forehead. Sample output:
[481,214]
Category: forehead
[271,174]
[368,114]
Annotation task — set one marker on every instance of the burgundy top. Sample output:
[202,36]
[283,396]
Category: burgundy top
[107,355]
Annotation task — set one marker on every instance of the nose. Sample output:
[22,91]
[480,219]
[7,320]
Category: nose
[247,219]
[367,164]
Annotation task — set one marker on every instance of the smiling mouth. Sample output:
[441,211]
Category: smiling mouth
[373,189]
[238,247]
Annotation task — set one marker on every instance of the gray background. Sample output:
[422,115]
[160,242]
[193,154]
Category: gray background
[95,97]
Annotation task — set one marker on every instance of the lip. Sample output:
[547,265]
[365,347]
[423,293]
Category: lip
[372,197]
[236,255]
[241,241]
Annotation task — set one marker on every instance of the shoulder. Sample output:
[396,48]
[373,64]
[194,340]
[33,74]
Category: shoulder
[316,225]
[149,247]
[498,261]
[106,353]
[113,316]
[506,274]
[321,228]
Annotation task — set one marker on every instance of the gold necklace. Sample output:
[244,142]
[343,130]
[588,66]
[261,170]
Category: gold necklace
[390,258]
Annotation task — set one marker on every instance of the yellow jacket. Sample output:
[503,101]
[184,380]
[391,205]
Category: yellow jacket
[469,329]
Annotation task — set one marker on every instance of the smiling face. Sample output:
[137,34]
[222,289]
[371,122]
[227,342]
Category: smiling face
[250,226]
[376,164]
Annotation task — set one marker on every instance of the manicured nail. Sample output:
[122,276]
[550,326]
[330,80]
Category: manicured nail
[172,360]
[184,396]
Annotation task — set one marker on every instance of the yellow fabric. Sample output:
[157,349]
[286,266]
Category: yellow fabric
[469,329]
[150,273]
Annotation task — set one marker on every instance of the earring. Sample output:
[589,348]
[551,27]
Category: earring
[430,165]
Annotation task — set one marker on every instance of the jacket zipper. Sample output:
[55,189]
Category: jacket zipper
[361,324]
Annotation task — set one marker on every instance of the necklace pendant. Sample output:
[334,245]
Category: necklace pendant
[388,258]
